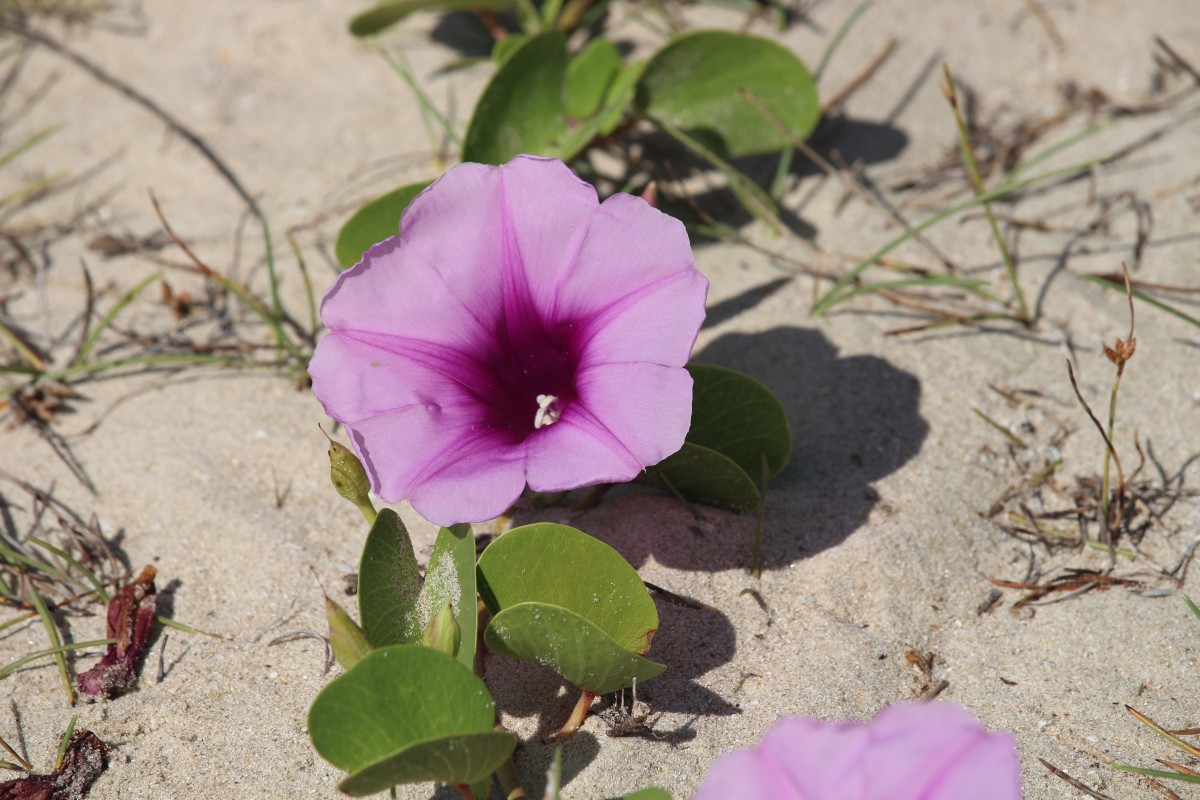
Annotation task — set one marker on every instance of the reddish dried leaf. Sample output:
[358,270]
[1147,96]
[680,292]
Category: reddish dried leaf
[82,764]
[130,617]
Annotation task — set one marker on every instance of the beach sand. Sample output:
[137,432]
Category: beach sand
[877,539]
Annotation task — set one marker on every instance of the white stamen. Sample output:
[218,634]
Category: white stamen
[548,411]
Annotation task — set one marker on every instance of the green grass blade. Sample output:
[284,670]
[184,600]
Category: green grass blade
[973,285]
[782,168]
[87,573]
[968,156]
[23,350]
[748,193]
[309,292]
[1015,440]
[275,321]
[834,295]
[1055,149]
[30,143]
[55,642]
[838,36]
[30,189]
[12,667]
[19,369]
[399,65]
[1158,773]
[66,739]
[111,317]
[163,359]
[20,559]
[18,619]
[179,626]
[1191,605]
[1145,298]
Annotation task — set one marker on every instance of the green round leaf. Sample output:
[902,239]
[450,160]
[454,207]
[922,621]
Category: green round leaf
[561,566]
[524,107]
[702,475]
[373,223]
[590,74]
[570,645]
[739,418]
[389,584]
[442,760]
[405,714]
[695,83]
[385,15]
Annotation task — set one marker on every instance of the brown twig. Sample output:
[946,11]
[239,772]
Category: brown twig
[841,96]
[145,102]
[1179,60]
[1039,13]
[851,185]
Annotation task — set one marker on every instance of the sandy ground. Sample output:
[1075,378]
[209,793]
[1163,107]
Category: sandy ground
[877,539]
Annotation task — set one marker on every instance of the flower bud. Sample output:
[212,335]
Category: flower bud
[348,641]
[442,633]
[349,478]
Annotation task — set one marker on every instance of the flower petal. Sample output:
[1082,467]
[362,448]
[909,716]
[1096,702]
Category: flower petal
[745,775]
[550,211]
[479,479]
[657,324]
[920,751]
[403,416]
[506,284]
[394,290]
[628,245]
[577,451]
[937,751]
[356,380]
[650,420]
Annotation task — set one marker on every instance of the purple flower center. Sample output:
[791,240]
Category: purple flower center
[534,375]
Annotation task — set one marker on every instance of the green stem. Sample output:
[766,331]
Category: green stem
[1104,478]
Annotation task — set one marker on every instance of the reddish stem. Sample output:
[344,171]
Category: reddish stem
[574,721]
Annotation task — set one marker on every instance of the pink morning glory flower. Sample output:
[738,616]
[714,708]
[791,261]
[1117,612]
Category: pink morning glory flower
[920,751]
[516,331]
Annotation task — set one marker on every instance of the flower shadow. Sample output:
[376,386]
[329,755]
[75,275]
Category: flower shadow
[525,690]
[854,421]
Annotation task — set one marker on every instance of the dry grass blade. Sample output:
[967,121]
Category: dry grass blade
[1077,784]
[1187,747]
[15,755]
[1179,767]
